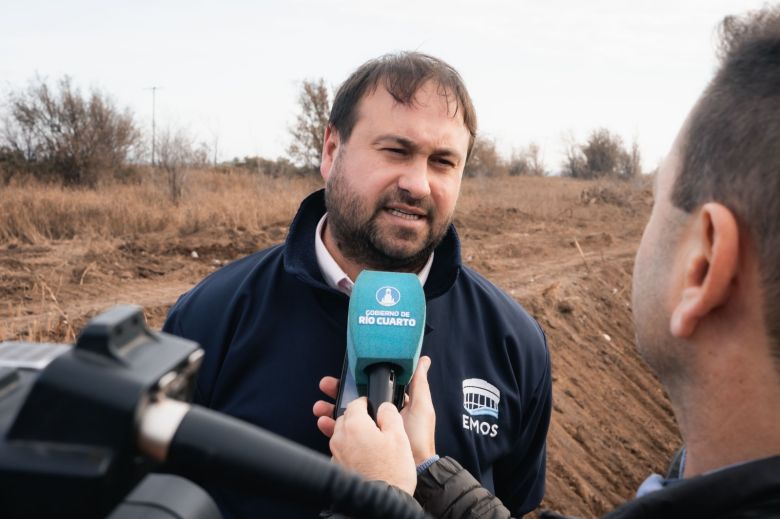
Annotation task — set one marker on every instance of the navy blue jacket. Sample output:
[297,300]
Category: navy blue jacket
[271,328]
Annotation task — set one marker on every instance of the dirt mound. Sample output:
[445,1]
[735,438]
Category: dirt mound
[568,260]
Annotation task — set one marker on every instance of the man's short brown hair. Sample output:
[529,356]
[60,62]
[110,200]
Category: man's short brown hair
[402,74]
[731,153]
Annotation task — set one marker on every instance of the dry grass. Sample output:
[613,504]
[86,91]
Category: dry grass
[55,327]
[537,196]
[36,213]
[544,198]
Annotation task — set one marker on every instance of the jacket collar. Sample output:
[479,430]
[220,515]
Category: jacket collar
[751,486]
[300,258]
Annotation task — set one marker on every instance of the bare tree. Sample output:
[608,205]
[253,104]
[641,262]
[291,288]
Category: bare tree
[603,152]
[535,160]
[631,162]
[59,133]
[484,160]
[308,132]
[176,155]
[574,163]
[527,161]
[602,155]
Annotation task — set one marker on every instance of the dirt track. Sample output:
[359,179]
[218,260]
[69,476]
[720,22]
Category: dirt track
[611,422]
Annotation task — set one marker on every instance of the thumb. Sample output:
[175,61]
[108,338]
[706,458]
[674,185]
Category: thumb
[388,418]
[418,387]
[357,407]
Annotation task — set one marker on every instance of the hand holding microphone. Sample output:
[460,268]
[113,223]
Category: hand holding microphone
[390,449]
[376,451]
[419,417]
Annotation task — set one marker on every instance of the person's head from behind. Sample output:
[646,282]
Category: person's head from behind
[400,131]
[707,276]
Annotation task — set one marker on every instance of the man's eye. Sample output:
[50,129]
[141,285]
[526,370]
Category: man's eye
[444,162]
[396,151]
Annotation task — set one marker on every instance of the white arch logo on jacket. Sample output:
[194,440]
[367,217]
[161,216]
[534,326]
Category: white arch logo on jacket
[480,397]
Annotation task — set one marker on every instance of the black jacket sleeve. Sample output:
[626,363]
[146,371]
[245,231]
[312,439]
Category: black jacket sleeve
[447,491]
[402,496]
[520,477]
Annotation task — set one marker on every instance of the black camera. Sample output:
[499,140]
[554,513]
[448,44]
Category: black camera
[69,416]
[103,428]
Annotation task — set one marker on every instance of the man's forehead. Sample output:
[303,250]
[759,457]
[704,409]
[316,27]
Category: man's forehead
[380,114]
[429,91]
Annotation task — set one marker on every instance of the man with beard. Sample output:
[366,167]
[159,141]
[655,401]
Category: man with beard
[274,323]
[706,297]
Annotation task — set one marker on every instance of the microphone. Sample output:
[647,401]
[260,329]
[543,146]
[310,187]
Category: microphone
[384,333]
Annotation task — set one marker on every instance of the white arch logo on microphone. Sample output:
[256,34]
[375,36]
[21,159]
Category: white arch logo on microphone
[480,398]
[388,296]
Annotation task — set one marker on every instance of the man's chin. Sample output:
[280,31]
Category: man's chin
[407,248]
[397,252]
[405,254]
[400,243]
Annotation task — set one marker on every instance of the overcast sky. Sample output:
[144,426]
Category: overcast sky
[230,70]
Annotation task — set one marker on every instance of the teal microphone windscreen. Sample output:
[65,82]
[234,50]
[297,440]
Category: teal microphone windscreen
[386,323]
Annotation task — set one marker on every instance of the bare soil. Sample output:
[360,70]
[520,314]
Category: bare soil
[611,425]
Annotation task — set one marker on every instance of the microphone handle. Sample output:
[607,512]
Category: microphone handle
[381,386]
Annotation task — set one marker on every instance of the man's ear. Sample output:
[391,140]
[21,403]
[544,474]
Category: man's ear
[710,268]
[329,149]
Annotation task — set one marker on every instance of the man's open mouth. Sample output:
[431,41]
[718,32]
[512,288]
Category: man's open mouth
[404,214]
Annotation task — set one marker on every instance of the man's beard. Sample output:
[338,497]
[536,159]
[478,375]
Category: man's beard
[361,239]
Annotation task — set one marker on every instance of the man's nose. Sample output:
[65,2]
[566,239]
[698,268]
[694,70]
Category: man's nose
[414,179]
